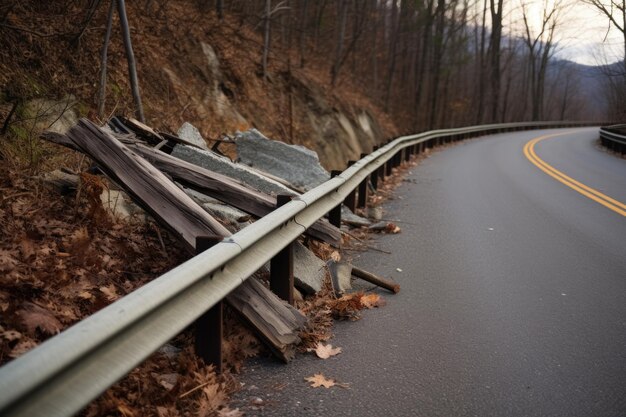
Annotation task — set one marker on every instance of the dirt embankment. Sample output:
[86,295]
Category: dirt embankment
[192,67]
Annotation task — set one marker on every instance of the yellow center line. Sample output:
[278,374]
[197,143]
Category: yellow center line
[595,195]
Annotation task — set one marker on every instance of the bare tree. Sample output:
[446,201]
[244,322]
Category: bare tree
[130,56]
[540,50]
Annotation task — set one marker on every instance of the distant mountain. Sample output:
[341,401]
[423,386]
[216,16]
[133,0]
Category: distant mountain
[591,82]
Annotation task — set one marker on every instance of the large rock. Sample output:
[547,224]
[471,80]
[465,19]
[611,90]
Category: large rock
[222,165]
[309,271]
[192,135]
[340,276]
[233,219]
[349,218]
[296,164]
[53,115]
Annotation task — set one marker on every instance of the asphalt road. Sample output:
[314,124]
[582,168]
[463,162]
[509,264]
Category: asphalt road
[513,299]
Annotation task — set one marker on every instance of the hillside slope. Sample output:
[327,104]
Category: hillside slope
[192,67]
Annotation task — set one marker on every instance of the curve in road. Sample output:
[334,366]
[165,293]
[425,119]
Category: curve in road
[513,299]
[608,202]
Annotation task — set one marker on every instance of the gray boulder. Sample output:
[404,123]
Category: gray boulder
[309,271]
[349,218]
[222,165]
[191,134]
[295,164]
[340,276]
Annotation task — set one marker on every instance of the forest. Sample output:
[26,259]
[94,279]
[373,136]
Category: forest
[426,64]
[441,63]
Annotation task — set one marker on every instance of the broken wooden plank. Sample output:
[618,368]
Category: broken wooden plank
[148,186]
[252,301]
[227,190]
[274,320]
[210,183]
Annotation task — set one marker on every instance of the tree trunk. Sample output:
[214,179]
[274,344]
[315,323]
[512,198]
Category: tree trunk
[104,59]
[266,36]
[130,56]
[343,14]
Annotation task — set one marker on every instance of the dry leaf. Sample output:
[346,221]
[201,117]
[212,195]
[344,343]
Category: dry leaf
[11,335]
[227,412]
[319,380]
[7,261]
[22,347]
[335,256]
[392,228]
[372,300]
[167,412]
[110,292]
[27,248]
[325,352]
[35,317]
[167,381]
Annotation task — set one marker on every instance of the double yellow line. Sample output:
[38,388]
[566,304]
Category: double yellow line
[595,195]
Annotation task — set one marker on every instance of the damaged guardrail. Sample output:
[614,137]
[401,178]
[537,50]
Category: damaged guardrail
[65,373]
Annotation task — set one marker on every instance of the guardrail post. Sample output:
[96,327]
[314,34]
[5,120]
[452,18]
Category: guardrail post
[362,201]
[350,200]
[281,265]
[374,174]
[407,154]
[209,328]
[334,216]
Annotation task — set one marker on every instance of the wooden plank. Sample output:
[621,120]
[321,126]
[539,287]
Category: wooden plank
[148,186]
[252,302]
[227,190]
[221,187]
[276,321]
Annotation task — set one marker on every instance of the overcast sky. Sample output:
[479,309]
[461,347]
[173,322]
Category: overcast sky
[581,33]
[583,40]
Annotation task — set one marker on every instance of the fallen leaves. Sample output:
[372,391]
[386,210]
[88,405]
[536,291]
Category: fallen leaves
[319,380]
[349,306]
[392,228]
[36,318]
[372,300]
[325,351]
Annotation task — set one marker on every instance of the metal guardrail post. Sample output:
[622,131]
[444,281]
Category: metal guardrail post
[334,216]
[209,328]
[362,200]
[281,265]
[350,200]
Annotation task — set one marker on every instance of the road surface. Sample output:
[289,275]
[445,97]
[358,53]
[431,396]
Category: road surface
[513,299]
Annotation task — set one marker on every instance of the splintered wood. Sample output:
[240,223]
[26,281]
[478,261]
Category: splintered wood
[277,322]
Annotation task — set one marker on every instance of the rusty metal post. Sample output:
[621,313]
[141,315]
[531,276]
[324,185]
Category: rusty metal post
[334,216]
[350,200]
[209,328]
[281,265]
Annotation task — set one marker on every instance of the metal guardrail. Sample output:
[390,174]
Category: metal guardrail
[65,373]
[612,139]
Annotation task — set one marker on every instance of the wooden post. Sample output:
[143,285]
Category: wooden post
[334,216]
[350,200]
[362,202]
[407,154]
[375,279]
[209,327]
[388,166]
[374,174]
[281,265]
